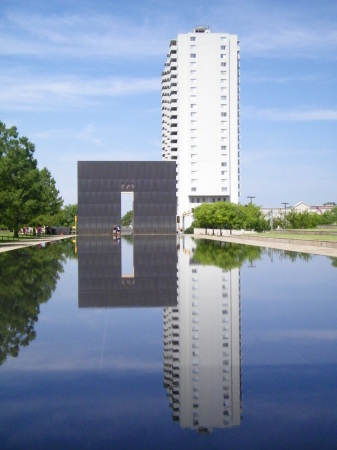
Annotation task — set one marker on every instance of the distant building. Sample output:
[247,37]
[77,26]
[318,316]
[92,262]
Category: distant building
[298,207]
[200,118]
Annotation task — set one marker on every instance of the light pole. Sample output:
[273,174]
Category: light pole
[251,198]
[285,211]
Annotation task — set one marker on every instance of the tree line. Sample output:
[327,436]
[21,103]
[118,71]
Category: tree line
[232,216]
[28,195]
[229,216]
[305,220]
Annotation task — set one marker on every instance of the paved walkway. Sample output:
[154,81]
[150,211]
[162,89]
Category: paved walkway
[300,246]
[7,246]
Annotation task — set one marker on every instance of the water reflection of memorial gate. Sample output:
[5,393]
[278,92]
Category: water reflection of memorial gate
[100,283]
[101,183]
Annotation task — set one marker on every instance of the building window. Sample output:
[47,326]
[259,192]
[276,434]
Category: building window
[192,47]
[224,147]
[223,64]
[223,114]
[193,114]
[193,55]
[193,105]
[223,47]
[223,55]
[193,72]
[198,200]
[194,189]
[193,64]
[193,155]
[192,38]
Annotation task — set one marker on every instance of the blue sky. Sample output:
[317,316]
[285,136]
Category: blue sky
[81,79]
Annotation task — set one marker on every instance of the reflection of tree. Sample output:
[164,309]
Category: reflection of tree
[228,256]
[293,256]
[128,238]
[225,255]
[28,278]
[334,261]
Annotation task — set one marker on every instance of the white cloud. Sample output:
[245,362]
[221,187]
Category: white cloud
[299,41]
[302,30]
[34,92]
[80,35]
[278,79]
[308,115]
[277,32]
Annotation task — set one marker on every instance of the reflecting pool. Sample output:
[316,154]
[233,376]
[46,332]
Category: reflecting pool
[167,342]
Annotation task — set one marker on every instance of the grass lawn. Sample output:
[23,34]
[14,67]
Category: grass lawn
[306,237]
[7,236]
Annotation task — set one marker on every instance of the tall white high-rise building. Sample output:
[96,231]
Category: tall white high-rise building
[200,118]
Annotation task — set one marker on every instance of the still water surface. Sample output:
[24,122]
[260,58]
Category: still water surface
[165,343]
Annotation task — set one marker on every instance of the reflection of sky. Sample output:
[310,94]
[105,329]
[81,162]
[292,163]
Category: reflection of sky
[93,378]
[127,257]
[289,311]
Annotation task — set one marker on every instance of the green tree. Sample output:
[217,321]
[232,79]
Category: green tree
[69,211]
[127,219]
[50,198]
[25,191]
[229,216]
[254,218]
[64,217]
[329,217]
[302,220]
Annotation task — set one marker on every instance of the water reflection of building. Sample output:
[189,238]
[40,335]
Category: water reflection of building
[151,282]
[202,365]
